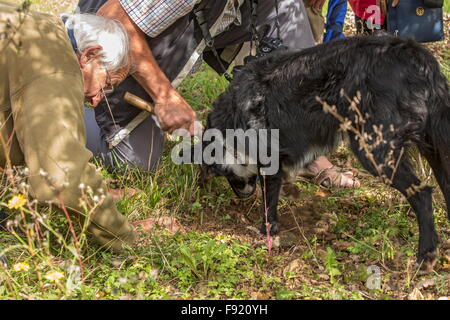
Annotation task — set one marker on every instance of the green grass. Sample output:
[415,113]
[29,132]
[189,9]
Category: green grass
[338,237]
[328,240]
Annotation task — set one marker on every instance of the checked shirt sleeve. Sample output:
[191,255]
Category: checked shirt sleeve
[155,16]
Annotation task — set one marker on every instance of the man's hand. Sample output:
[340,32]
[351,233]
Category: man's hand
[174,113]
[395,3]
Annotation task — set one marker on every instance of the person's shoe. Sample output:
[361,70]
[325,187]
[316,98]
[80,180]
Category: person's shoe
[336,177]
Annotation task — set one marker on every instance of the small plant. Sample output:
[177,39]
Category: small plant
[219,263]
[331,265]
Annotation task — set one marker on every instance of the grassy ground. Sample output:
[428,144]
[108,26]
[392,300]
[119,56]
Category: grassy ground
[331,245]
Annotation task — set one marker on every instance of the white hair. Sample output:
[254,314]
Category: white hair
[91,30]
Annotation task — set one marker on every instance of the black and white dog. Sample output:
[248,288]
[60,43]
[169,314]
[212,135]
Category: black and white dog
[403,99]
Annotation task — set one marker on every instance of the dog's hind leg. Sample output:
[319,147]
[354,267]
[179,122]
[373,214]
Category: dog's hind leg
[405,181]
[437,134]
[439,161]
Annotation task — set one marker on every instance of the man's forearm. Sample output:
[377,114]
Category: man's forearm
[157,85]
[171,109]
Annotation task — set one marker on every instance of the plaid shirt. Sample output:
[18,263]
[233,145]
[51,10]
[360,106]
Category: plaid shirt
[153,17]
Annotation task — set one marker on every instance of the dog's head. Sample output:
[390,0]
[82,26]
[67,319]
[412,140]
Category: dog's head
[241,177]
[238,111]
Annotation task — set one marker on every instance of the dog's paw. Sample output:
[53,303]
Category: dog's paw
[273,228]
[427,261]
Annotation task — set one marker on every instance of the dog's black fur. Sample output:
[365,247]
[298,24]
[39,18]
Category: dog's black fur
[401,87]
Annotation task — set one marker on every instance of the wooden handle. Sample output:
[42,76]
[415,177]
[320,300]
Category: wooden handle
[138,102]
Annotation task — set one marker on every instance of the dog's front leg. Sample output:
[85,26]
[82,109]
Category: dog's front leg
[270,186]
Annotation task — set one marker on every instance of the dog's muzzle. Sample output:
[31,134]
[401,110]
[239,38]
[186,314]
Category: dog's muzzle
[241,189]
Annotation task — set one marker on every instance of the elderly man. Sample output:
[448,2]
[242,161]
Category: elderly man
[48,68]
[166,42]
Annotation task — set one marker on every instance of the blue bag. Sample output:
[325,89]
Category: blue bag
[418,19]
